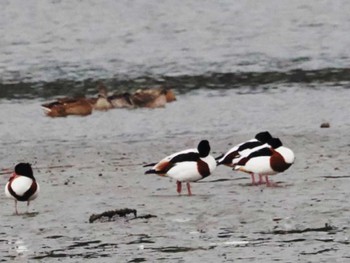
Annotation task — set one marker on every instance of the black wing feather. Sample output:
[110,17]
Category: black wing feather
[261,152]
[185,157]
[249,145]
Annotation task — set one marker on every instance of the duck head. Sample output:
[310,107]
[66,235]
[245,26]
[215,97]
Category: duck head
[24,169]
[203,148]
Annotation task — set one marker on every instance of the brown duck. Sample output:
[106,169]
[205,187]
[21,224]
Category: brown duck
[68,106]
[152,97]
[102,102]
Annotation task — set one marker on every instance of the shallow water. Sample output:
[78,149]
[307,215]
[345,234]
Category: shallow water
[94,164]
[51,48]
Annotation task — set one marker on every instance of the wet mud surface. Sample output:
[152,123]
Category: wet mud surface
[94,164]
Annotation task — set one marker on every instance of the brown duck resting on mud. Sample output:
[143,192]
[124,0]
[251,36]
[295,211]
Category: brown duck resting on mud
[145,98]
[102,102]
[122,100]
[68,106]
[152,97]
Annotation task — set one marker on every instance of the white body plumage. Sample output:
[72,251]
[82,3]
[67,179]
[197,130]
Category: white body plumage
[20,185]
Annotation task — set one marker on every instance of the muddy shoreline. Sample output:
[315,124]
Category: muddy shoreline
[94,164]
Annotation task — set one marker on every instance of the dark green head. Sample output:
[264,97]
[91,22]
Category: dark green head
[203,148]
[263,136]
[274,143]
[24,169]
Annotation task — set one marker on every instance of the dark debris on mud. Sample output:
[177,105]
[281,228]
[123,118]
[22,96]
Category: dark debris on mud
[319,251]
[89,255]
[177,249]
[141,239]
[113,215]
[135,260]
[326,228]
[101,250]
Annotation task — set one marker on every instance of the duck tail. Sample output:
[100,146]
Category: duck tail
[219,157]
[151,171]
[46,109]
[149,164]
[235,168]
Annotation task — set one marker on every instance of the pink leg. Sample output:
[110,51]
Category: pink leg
[268,183]
[16,207]
[253,179]
[179,187]
[189,189]
[261,179]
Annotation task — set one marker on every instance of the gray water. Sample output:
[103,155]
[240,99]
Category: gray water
[46,45]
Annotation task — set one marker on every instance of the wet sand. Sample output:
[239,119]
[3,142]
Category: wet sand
[94,164]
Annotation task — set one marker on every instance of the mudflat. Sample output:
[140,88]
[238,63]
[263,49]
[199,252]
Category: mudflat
[88,165]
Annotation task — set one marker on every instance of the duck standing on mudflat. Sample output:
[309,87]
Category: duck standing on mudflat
[187,166]
[22,185]
[237,152]
[266,161]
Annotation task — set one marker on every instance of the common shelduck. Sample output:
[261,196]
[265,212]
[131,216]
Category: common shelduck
[269,160]
[187,166]
[232,156]
[22,185]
